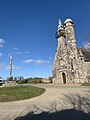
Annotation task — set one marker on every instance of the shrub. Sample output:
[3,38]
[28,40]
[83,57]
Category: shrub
[21,81]
[85,84]
[34,81]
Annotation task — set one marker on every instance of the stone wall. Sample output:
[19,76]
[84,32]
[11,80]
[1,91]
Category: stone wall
[9,83]
[87,69]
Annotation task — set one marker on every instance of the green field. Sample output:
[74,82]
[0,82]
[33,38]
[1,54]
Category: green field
[19,93]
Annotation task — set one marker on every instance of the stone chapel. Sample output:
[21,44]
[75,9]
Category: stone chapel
[69,63]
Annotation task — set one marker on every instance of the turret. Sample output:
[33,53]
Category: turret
[68,22]
[60,61]
[71,49]
[81,56]
[60,32]
[69,31]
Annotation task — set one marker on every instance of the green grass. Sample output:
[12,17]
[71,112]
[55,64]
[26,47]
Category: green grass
[19,93]
[85,84]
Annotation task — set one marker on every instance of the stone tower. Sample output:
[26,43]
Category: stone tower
[71,51]
[11,77]
[68,64]
[60,61]
[11,66]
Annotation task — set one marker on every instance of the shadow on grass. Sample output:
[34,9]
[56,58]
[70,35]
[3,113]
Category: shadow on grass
[80,110]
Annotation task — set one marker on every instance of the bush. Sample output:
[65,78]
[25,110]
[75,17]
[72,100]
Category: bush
[22,81]
[34,81]
[85,84]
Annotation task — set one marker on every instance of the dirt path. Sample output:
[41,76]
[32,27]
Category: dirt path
[10,110]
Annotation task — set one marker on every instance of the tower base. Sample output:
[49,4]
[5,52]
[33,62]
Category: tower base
[10,83]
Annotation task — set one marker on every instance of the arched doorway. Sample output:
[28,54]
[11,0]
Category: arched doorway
[64,78]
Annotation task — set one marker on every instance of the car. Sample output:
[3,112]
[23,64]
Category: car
[1,81]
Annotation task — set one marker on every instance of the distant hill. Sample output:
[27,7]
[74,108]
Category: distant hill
[86,54]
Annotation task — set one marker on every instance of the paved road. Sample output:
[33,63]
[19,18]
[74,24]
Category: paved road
[54,92]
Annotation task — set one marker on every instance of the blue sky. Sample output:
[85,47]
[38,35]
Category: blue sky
[27,31]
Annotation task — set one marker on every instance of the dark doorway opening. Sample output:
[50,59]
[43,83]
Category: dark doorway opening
[64,78]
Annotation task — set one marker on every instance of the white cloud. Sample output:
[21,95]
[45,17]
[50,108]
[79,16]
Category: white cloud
[15,48]
[4,66]
[1,54]
[37,62]
[41,61]
[19,52]
[28,61]
[86,45]
[2,42]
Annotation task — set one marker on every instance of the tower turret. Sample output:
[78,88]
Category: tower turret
[82,71]
[60,57]
[68,22]
[71,49]
[60,31]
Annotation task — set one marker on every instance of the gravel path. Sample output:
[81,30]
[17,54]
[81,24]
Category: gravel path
[54,92]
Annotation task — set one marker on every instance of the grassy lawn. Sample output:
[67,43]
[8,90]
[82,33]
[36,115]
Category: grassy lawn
[85,84]
[19,93]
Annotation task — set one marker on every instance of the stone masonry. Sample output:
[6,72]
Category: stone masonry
[69,62]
